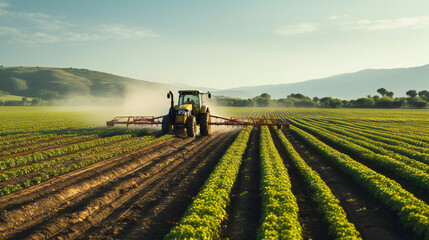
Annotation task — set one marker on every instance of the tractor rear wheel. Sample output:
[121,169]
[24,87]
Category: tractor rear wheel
[191,126]
[167,125]
[205,123]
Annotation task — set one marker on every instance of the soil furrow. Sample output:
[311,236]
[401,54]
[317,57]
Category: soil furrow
[245,207]
[406,184]
[115,197]
[16,200]
[371,218]
[34,213]
[97,195]
[311,219]
[159,209]
[65,163]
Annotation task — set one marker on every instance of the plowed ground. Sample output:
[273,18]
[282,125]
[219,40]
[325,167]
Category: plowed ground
[143,194]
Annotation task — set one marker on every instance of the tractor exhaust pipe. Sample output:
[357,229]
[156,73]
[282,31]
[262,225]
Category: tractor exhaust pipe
[171,112]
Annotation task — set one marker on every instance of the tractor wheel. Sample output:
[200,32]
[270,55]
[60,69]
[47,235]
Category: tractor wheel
[191,126]
[167,125]
[205,124]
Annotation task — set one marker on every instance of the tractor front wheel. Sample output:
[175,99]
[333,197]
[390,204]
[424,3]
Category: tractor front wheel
[191,126]
[167,125]
[205,124]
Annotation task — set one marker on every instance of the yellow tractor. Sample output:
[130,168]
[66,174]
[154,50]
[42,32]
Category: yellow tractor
[190,112]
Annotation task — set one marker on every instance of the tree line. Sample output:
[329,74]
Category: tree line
[385,99]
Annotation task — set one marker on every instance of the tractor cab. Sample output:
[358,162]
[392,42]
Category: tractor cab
[190,100]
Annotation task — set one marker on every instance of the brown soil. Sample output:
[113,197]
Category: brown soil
[371,218]
[156,211]
[311,219]
[245,207]
[406,184]
[69,205]
[33,174]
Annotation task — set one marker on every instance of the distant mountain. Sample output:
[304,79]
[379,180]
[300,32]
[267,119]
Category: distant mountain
[60,83]
[344,86]
[54,83]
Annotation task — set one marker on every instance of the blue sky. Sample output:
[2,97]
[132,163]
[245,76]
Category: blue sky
[220,44]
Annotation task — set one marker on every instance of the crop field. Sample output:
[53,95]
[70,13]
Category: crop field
[335,174]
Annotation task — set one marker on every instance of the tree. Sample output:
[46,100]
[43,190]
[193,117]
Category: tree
[364,103]
[335,103]
[315,99]
[325,101]
[304,103]
[411,93]
[382,91]
[35,102]
[298,96]
[424,95]
[1,103]
[266,95]
[390,94]
[263,100]
[24,100]
[418,103]
[384,102]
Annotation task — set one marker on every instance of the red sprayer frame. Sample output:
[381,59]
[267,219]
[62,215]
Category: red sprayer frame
[214,120]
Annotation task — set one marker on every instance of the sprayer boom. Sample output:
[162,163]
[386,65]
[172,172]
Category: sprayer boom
[214,121]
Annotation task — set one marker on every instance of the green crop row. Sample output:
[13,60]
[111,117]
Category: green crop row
[420,141]
[279,207]
[27,139]
[389,138]
[401,131]
[339,226]
[203,218]
[375,146]
[417,177]
[7,175]
[77,165]
[38,156]
[63,139]
[413,212]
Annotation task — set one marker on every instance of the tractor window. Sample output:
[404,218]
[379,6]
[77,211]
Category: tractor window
[189,99]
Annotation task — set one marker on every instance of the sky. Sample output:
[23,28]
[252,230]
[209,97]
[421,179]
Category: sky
[219,44]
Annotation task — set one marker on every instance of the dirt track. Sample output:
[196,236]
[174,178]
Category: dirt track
[70,205]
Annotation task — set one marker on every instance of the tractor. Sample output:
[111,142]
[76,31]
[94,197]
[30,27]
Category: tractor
[188,114]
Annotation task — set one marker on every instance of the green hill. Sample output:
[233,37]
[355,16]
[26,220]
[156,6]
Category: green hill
[59,83]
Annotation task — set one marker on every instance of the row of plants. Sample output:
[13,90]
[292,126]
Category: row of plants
[279,206]
[401,130]
[77,165]
[412,212]
[339,226]
[43,155]
[408,156]
[415,176]
[15,139]
[41,144]
[203,218]
[7,175]
[389,138]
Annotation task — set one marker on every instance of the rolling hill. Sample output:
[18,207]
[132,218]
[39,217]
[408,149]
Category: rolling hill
[60,83]
[57,83]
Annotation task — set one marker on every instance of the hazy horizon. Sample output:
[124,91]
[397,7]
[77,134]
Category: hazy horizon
[218,44]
